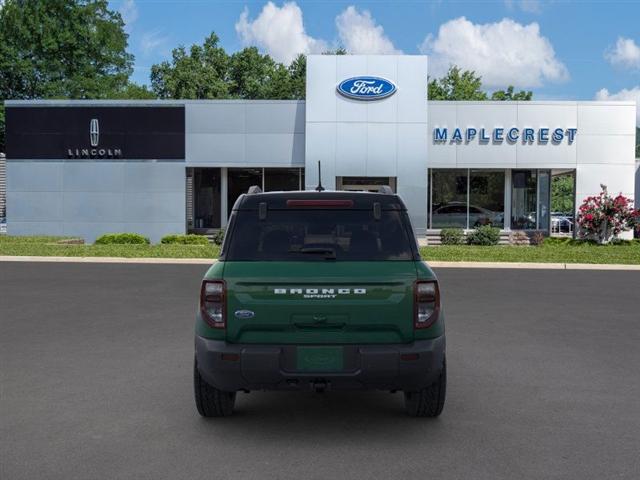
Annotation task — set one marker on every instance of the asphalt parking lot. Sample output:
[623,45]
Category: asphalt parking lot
[96,383]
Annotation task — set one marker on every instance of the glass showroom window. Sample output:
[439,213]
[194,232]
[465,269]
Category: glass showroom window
[524,193]
[466,198]
[486,198]
[282,179]
[206,199]
[530,199]
[448,205]
[238,182]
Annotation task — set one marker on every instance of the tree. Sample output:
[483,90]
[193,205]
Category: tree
[61,49]
[208,72]
[457,85]
[256,76]
[510,95]
[298,74]
[199,74]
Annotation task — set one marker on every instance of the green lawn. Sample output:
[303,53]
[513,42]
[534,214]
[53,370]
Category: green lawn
[586,253]
[47,246]
[554,253]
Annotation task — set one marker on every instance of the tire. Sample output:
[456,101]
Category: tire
[210,401]
[429,401]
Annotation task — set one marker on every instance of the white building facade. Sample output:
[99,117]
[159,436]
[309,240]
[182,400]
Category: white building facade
[157,167]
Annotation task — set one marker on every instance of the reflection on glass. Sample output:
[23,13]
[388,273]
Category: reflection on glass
[523,199]
[281,179]
[544,199]
[449,199]
[365,184]
[239,180]
[206,198]
[486,199]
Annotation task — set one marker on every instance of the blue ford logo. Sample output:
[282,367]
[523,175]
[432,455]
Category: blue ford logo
[244,314]
[366,88]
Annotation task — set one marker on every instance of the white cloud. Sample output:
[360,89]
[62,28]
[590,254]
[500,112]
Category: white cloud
[278,31]
[632,94]
[129,12]
[360,34]
[151,41]
[504,53]
[529,6]
[626,53]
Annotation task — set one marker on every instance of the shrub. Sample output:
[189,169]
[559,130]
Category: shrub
[122,239]
[537,239]
[603,217]
[185,240]
[451,236]
[218,237]
[485,235]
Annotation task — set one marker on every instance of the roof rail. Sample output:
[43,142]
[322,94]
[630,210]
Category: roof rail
[254,189]
[386,189]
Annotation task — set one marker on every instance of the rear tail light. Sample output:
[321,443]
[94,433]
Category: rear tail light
[426,303]
[213,301]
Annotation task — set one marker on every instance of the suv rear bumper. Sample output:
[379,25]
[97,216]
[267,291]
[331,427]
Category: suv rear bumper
[232,367]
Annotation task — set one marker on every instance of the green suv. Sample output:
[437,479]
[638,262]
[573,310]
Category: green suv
[319,290]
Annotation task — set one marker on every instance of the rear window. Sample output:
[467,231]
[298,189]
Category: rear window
[301,235]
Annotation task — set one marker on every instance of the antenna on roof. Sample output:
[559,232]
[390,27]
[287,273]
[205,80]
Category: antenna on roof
[319,188]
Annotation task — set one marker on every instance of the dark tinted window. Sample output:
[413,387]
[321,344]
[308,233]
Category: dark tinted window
[301,235]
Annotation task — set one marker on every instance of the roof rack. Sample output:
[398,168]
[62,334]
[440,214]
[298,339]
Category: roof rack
[254,189]
[385,189]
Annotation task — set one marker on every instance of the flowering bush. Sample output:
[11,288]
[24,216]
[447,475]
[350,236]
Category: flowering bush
[604,217]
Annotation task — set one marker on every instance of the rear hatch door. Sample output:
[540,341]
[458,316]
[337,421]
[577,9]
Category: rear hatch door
[320,302]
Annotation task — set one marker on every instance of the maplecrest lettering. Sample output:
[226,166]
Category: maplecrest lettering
[526,136]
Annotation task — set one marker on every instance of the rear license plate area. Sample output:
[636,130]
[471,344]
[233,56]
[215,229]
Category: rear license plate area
[319,359]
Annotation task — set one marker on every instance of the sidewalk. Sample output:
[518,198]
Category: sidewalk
[208,261]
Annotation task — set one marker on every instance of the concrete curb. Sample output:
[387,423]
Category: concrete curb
[536,266]
[209,261]
[186,261]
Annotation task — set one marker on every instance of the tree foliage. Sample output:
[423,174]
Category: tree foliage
[458,84]
[562,193]
[207,72]
[62,49]
[510,95]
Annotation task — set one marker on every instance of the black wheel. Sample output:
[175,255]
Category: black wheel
[429,401]
[210,401]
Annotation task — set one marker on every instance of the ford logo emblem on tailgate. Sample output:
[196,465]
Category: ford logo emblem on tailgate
[366,88]
[244,314]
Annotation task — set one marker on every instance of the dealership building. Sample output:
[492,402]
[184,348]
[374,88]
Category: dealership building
[84,168]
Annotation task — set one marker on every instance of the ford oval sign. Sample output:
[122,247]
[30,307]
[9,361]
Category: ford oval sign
[366,88]
[244,314]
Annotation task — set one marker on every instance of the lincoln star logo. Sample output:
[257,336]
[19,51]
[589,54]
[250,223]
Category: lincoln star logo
[94,141]
[94,132]
[320,292]
[366,88]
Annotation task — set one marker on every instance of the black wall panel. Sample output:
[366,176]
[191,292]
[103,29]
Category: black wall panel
[128,132]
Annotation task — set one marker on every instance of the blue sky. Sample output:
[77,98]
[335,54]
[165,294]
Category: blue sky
[559,49]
